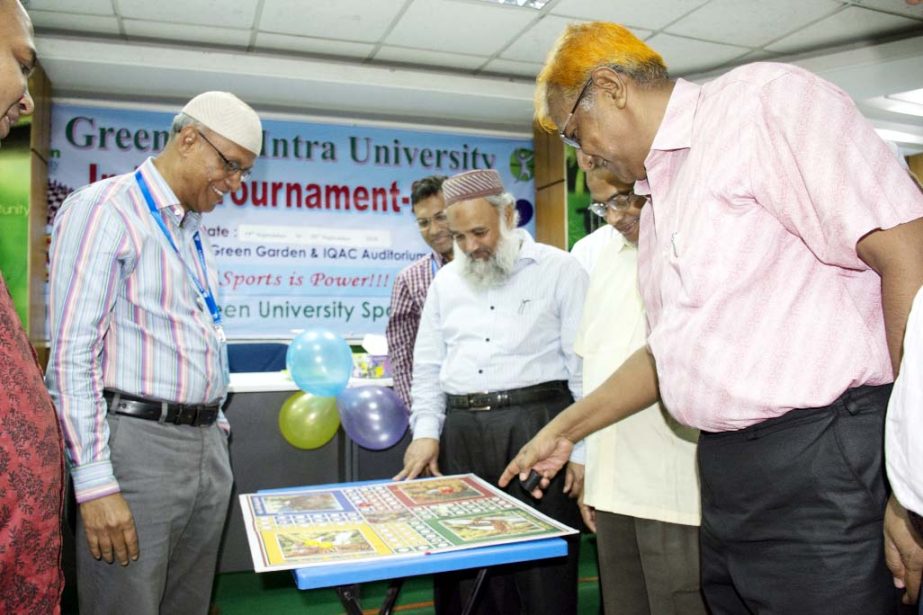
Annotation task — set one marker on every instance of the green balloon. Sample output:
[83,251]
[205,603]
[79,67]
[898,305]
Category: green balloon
[307,421]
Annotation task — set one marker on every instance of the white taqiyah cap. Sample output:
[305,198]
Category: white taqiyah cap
[228,116]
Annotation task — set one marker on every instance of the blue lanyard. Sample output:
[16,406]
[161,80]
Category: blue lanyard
[432,264]
[204,291]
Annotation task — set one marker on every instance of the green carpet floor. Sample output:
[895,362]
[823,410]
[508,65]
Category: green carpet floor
[247,593]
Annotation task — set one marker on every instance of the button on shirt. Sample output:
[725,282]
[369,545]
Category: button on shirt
[762,182]
[507,337]
[643,466]
[125,315]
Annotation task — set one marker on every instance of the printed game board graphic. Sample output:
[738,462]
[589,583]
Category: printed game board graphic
[308,543]
[332,524]
[437,491]
[491,526]
[300,503]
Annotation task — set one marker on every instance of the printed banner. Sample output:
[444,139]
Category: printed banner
[316,236]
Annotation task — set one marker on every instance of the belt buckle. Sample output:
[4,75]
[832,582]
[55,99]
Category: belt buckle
[479,402]
[187,414]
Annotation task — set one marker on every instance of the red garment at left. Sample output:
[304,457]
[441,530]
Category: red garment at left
[31,476]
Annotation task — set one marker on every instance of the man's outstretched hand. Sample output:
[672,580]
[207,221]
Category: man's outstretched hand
[546,453]
[420,459]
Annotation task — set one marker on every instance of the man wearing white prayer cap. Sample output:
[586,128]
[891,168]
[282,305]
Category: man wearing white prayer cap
[138,367]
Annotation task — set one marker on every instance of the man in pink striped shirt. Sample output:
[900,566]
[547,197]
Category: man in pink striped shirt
[778,260]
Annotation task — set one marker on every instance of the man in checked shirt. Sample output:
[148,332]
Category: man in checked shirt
[412,283]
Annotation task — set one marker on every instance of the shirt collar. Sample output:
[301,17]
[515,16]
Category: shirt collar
[440,259]
[165,198]
[619,239]
[527,249]
[675,131]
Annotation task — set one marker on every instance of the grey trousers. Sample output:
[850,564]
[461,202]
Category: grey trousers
[177,482]
[648,567]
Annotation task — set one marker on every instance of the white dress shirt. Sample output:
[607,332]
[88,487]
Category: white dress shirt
[507,337]
[643,466]
[904,422]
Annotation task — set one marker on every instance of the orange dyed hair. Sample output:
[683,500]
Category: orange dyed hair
[583,47]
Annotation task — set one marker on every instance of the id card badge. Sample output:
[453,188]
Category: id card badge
[219,333]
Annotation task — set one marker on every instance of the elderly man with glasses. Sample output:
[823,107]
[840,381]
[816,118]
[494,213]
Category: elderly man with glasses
[138,366]
[779,254]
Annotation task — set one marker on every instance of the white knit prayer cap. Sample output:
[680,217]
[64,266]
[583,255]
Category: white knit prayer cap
[229,117]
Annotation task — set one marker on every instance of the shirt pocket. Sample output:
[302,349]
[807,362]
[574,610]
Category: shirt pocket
[523,324]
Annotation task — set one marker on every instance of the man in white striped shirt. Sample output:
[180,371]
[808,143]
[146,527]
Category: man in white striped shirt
[493,363]
[138,365]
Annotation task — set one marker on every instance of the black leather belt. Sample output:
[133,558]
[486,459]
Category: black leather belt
[196,415]
[480,402]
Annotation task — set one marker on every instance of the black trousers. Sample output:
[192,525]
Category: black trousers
[792,512]
[483,443]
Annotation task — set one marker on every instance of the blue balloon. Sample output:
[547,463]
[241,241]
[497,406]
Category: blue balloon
[320,362]
[373,416]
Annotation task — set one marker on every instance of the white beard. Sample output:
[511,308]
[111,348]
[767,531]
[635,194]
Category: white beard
[493,272]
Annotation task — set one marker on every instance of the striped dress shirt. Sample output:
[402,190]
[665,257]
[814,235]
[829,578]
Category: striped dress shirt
[125,315]
[511,336]
[407,298]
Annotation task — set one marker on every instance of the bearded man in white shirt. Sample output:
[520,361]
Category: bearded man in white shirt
[493,363]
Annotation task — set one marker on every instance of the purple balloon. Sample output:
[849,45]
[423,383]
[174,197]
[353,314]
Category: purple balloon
[373,416]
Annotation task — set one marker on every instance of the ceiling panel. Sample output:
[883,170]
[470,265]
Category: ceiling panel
[186,33]
[533,45]
[90,7]
[215,13]
[902,8]
[851,25]
[425,57]
[528,70]
[462,27]
[751,23]
[684,55]
[95,24]
[303,44]
[353,20]
[648,14]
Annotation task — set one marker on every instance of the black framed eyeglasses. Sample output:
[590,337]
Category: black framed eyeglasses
[230,167]
[617,202]
[570,140]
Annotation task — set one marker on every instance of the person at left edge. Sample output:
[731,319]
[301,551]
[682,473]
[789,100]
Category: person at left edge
[32,462]
[411,284]
[138,365]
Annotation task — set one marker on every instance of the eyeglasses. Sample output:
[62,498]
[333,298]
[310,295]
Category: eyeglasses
[616,202]
[230,167]
[570,140]
[440,218]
